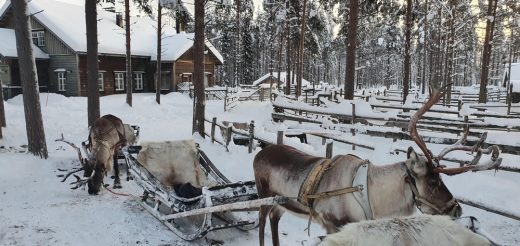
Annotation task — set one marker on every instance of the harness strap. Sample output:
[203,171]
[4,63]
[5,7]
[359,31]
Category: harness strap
[336,192]
[311,182]
[420,200]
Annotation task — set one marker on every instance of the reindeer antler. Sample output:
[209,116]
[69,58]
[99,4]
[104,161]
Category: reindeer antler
[79,181]
[435,96]
[434,161]
[81,159]
[473,165]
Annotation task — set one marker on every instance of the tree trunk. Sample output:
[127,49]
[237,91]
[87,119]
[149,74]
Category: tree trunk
[238,74]
[29,80]
[425,49]
[159,50]
[350,68]
[300,52]
[198,63]
[2,109]
[129,77]
[92,61]
[288,55]
[486,53]
[406,80]
[450,53]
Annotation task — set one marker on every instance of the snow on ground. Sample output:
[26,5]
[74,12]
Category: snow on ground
[36,209]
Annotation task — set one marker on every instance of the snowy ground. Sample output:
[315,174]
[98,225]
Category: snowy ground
[36,209]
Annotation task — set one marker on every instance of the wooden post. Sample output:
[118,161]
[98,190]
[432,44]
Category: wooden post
[225,99]
[228,136]
[509,99]
[323,140]
[367,98]
[459,106]
[328,149]
[279,137]
[213,124]
[251,135]
[353,113]
[353,134]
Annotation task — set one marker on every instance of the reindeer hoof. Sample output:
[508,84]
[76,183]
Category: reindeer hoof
[118,186]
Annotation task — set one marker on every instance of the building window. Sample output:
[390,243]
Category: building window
[101,82]
[61,81]
[120,81]
[38,38]
[138,80]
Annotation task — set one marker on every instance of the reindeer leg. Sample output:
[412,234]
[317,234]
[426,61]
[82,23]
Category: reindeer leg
[274,217]
[117,181]
[262,216]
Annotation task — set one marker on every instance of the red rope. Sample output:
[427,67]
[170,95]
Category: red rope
[118,194]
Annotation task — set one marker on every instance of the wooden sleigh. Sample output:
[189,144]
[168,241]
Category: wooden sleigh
[192,218]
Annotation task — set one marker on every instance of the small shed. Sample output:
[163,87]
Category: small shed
[514,78]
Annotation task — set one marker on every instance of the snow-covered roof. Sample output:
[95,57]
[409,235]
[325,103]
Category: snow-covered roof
[67,21]
[283,76]
[3,7]
[174,46]
[8,45]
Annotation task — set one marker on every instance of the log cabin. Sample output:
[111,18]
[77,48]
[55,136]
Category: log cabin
[59,34]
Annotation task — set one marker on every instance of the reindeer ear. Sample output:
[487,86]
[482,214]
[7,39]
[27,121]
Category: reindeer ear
[411,153]
[416,164]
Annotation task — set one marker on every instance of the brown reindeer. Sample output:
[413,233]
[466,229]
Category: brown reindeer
[107,135]
[392,190]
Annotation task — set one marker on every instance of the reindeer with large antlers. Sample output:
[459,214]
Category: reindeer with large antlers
[349,189]
[107,135]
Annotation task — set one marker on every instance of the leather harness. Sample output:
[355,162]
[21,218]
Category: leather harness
[307,194]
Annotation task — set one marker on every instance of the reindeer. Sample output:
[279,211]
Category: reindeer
[390,190]
[107,135]
[423,230]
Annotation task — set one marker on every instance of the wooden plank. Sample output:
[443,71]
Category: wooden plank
[488,208]
[228,207]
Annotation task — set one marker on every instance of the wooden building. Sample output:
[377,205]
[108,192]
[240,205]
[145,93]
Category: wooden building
[9,69]
[58,30]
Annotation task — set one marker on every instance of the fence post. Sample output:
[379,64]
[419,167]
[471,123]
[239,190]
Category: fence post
[251,135]
[328,149]
[279,137]
[353,113]
[225,99]
[228,136]
[213,124]
[509,99]
[459,106]
[353,134]
[323,140]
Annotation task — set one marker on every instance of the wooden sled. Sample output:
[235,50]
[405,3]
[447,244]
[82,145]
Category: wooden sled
[192,218]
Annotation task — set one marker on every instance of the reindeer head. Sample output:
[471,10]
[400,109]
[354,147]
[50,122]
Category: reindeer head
[430,193]
[94,166]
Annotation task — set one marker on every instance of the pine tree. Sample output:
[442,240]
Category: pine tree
[31,96]
[92,61]
[198,74]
